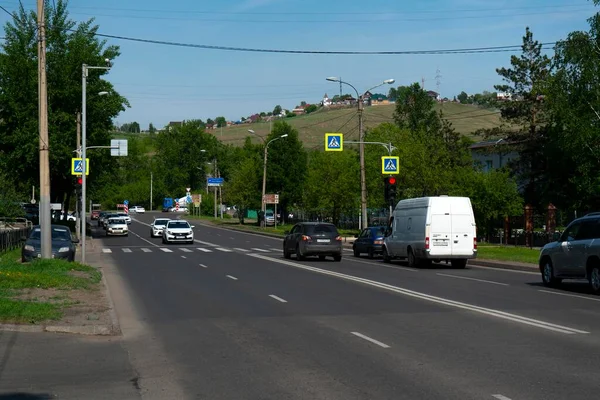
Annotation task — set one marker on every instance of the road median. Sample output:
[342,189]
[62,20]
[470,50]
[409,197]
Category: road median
[53,295]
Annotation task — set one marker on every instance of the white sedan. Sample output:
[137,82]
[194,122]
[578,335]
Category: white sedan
[137,209]
[117,226]
[178,231]
[125,216]
[156,227]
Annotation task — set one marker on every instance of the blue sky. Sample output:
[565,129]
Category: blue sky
[166,83]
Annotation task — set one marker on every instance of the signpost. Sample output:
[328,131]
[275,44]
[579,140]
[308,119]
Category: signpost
[118,147]
[126,206]
[272,199]
[215,182]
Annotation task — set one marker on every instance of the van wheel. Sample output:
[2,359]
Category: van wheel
[460,264]
[386,256]
[412,260]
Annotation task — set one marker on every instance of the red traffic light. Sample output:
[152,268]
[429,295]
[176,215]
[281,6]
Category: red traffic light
[392,180]
[79,181]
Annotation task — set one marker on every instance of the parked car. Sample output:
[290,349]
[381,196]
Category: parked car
[137,209]
[370,241]
[313,239]
[575,254]
[117,226]
[269,218]
[157,226]
[63,244]
[178,231]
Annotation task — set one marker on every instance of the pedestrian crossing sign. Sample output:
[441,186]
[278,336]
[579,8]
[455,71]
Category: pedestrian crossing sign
[390,165]
[77,166]
[334,142]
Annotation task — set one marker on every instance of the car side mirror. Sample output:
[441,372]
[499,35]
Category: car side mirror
[23,238]
[556,237]
[152,225]
[193,226]
[356,236]
[286,232]
[75,240]
[388,232]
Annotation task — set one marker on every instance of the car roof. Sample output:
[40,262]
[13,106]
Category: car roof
[315,223]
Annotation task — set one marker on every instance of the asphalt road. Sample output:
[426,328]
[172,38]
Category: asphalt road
[229,318]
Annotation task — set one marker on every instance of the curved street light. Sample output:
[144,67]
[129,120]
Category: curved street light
[361,145]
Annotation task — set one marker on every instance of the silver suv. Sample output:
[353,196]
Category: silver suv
[575,254]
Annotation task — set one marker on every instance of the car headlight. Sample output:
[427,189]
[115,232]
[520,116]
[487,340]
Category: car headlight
[29,247]
[63,249]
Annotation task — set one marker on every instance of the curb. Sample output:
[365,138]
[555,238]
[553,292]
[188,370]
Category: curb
[96,330]
[496,264]
[115,327]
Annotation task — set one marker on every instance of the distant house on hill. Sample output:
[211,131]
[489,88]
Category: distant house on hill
[326,102]
[434,95]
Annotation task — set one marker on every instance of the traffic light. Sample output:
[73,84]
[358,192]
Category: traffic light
[79,180]
[390,189]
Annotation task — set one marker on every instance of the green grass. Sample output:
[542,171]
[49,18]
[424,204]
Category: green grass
[508,253]
[39,274]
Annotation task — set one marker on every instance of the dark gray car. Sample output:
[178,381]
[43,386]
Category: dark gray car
[313,239]
[63,245]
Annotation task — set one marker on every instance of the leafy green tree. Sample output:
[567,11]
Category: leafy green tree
[277,110]
[151,128]
[332,184]
[209,121]
[311,108]
[221,122]
[9,198]
[463,97]
[526,80]
[415,110]
[286,165]
[243,187]
[69,45]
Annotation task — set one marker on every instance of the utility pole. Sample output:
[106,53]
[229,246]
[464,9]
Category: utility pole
[45,221]
[150,191]
[363,179]
[77,203]
[215,174]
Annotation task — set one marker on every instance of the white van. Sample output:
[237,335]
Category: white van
[430,229]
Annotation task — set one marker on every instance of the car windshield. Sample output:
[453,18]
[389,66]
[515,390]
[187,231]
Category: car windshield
[57,234]
[325,229]
[116,221]
[160,222]
[178,224]
[122,215]
[379,231]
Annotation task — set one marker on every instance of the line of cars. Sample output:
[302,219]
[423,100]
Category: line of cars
[114,223]
[172,230]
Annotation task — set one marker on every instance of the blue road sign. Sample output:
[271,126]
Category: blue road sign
[215,181]
[188,199]
[390,165]
[334,142]
[126,202]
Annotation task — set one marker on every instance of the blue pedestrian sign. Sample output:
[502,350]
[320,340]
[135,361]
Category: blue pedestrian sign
[215,181]
[334,142]
[77,166]
[390,165]
[126,202]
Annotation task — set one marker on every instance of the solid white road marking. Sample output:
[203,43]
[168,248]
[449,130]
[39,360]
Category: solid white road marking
[183,257]
[434,299]
[377,342]
[204,250]
[203,266]
[224,249]
[126,250]
[278,298]
[206,243]
[500,397]
[166,250]
[261,250]
[473,279]
[232,238]
[147,241]
[232,277]
[381,264]
[568,295]
[145,250]
[106,250]
[185,250]
[240,249]
[504,270]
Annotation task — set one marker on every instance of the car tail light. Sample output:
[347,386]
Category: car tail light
[338,238]
[475,243]
[427,243]
[306,238]
[378,242]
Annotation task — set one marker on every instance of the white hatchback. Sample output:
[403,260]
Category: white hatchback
[137,209]
[117,226]
[178,231]
[157,227]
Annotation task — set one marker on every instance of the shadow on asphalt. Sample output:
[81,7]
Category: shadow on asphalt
[26,396]
[578,287]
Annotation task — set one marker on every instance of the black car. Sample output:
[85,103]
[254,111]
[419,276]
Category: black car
[370,241]
[313,239]
[63,245]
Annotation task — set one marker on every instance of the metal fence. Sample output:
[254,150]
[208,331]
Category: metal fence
[12,232]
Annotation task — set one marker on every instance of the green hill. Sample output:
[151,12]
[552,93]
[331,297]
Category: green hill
[466,119]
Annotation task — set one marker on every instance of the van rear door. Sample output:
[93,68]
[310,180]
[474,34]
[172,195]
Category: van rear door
[463,232]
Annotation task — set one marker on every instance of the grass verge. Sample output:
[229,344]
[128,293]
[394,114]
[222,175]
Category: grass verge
[16,277]
[508,253]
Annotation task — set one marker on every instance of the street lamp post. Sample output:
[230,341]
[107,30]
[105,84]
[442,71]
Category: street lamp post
[264,182]
[361,145]
[84,72]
